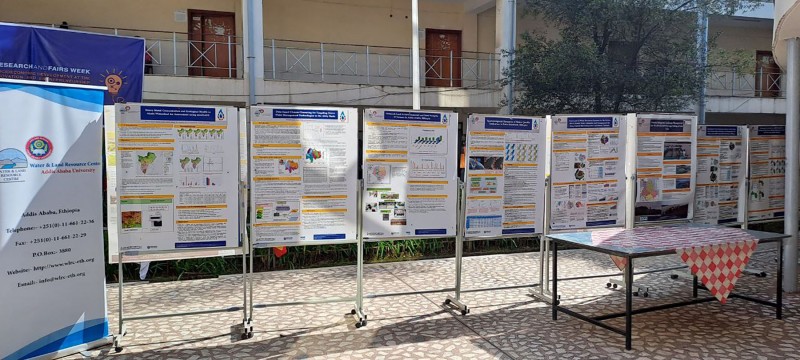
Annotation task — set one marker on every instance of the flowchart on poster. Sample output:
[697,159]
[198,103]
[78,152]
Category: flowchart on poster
[767,172]
[304,175]
[665,158]
[505,175]
[720,173]
[177,177]
[409,168]
[587,170]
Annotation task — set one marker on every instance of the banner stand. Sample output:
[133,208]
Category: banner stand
[454,301]
[246,328]
[542,291]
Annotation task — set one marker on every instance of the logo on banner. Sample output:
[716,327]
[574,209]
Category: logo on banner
[221,115]
[444,118]
[616,122]
[535,124]
[342,117]
[114,81]
[39,147]
[13,165]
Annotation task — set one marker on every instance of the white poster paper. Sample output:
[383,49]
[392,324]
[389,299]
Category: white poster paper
[52,274]
[720,174]
[177,177]
[767,172]
[666,162]
[587,170]
[505,175]
[409,170]
[304,175]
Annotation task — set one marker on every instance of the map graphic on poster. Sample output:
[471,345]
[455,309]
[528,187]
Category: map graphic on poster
[666,158]
[767,172]
[177,177]
[505,176]
[410,160]
[720,174]
[304,175]
[587,168]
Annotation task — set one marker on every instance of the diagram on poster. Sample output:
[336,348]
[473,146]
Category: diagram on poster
[767,172]
[304,175]
[666,157]
[409,167]
[177,177]
[505,175]
[720,174]
[587,169]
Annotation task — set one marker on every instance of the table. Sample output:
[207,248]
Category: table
[630,244]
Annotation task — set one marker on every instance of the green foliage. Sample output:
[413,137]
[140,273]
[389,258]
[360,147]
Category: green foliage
[612,56]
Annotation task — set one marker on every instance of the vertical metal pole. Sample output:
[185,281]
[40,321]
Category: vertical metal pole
[702,61]
[792,183]
[779,283]
[120,317]
[745,194]
[175,53]
[116,32]
[244,240]
[694,286]
[360,250]
[415,100]
[460,235]
[628,303]
[273,60]
[230,66]
[368,70]
[251,53]
[322,60]
[512,49]
[554,304]
[451,68]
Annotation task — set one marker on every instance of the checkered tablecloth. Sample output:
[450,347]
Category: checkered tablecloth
[716,255]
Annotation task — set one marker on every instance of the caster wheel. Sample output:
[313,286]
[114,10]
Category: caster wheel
[608,285]
[447,301]
[364,323]
[645,294]
[558,302]
[250,335]
[464,312]
[243,337]
[118,349]
[762,274]
[353,312]
[673,276]
[358,325]
[614,286]
[635,293]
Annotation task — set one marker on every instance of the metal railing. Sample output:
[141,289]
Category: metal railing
[734,82]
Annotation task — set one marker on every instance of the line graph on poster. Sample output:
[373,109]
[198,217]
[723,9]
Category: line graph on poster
[428,167]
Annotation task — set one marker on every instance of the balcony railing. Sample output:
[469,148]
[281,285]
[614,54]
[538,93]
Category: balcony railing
[734,82]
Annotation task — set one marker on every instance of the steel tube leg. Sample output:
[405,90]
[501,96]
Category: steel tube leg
[628,303]
[555,280]
[694,286]
[779,285]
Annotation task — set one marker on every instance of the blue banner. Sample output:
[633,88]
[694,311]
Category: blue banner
[412,116]
[722,130]
[589,122]
[174,113]
[776,130]
[666,125]
[500,123]
[306,114]
[73,57]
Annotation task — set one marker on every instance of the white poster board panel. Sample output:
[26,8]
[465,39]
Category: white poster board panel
[587,171]
[505,175]
[767,172]
[720,173]
[409,169]
[177,177]
[52,274]
[666,161]
[303,175]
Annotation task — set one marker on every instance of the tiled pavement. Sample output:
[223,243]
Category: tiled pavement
[503,324]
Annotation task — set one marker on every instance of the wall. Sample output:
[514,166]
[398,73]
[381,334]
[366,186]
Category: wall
[735,38]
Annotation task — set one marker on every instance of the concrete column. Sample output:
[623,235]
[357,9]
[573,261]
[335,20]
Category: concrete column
[702,59]
[505,39]
[253,45]
[415,100]
[792,163]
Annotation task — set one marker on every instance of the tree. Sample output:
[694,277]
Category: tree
[612,56]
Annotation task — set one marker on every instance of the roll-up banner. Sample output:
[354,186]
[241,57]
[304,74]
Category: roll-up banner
[720,173]
[767,172]
[52,274]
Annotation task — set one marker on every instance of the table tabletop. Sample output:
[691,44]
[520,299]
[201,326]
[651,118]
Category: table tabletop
[660,240]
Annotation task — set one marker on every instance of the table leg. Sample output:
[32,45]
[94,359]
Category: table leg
[694,286]
[628,303]
[554,245]
[779,286]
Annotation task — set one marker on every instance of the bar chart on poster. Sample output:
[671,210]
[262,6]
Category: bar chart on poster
[767,172]
[409,170]
[304,175]
[587,170]
[177,177]
[720,174]
[665,167]
[505,175]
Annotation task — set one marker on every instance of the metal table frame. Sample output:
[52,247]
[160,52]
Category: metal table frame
[628,275]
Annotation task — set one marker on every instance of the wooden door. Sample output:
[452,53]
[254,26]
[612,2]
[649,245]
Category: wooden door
[212,43]
[768,75]
[442,58]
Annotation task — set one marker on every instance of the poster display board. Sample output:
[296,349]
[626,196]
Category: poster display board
[304,175]
[177,177]
[587,170]
[767,172]
[410,159]
[721,154]
[665,167]
[505,178]
[52,273]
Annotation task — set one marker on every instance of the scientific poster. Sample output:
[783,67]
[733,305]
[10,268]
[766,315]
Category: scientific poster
[587,170]
[767,172]
[304,175]
[666,160]
[52,273]
[720,174]
[505,175]
[177,177]
[409,170]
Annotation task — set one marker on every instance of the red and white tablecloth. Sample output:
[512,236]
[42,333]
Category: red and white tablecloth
[716,255]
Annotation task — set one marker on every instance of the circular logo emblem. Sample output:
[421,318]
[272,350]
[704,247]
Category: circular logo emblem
[39,147]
